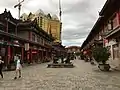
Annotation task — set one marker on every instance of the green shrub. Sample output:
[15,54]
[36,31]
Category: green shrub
[101,54]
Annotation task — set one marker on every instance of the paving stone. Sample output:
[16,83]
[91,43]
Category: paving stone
[83,77]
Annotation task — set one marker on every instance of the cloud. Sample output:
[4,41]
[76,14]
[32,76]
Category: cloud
[74,42]
[78,16]
[78,20]
[78,7]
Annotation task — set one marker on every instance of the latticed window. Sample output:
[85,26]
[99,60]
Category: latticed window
[115,22]
[1,27]
[106,27]
[42,41]
[38,39]
[38,20]
[110,25]
[41,21]
[33,37]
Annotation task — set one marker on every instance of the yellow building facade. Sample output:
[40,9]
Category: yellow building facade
[50,24]
[55,30]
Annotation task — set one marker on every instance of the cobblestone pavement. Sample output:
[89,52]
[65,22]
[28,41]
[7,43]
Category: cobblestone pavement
[82,77]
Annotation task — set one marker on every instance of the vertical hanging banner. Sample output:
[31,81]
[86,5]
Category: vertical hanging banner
[26,46]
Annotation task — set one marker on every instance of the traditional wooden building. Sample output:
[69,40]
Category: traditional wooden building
[24,38]
[73,49]
[59,50]
[106,31]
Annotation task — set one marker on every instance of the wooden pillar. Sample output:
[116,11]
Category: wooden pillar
[30,35]
[112,52]
[16,30]
[38,56]
[46,53]
[9,54]
[6,25]
[22,56]
[42,55]
[13,52]
[28,56]
[31,59]
[50,53]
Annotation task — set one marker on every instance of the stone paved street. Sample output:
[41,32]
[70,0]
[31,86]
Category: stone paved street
[82,77]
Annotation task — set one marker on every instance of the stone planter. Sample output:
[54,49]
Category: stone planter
[104,67]
[86,60]
[92,63]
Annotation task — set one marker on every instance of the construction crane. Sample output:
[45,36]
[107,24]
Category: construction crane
[60,14]
[19,7]
[60,11]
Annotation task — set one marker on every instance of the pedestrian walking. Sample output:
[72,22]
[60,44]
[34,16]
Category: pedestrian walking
[18,66]
[1,66]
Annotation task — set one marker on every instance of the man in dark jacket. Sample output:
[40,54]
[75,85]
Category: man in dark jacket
[1,66]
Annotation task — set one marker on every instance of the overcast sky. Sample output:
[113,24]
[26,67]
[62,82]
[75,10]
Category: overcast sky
[78,16]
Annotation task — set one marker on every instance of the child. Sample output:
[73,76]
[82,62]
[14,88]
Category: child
[1,66]
[18,66]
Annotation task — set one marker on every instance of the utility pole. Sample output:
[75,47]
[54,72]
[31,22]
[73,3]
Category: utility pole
[19,7]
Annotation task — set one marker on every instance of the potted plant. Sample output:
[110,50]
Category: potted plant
[101,55]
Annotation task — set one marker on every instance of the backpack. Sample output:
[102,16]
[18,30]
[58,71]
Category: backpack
[15,62]
[21,62]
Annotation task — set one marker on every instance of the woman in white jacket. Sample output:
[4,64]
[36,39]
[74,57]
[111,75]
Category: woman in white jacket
[18,66]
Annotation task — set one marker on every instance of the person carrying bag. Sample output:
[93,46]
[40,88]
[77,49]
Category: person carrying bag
[18,66]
